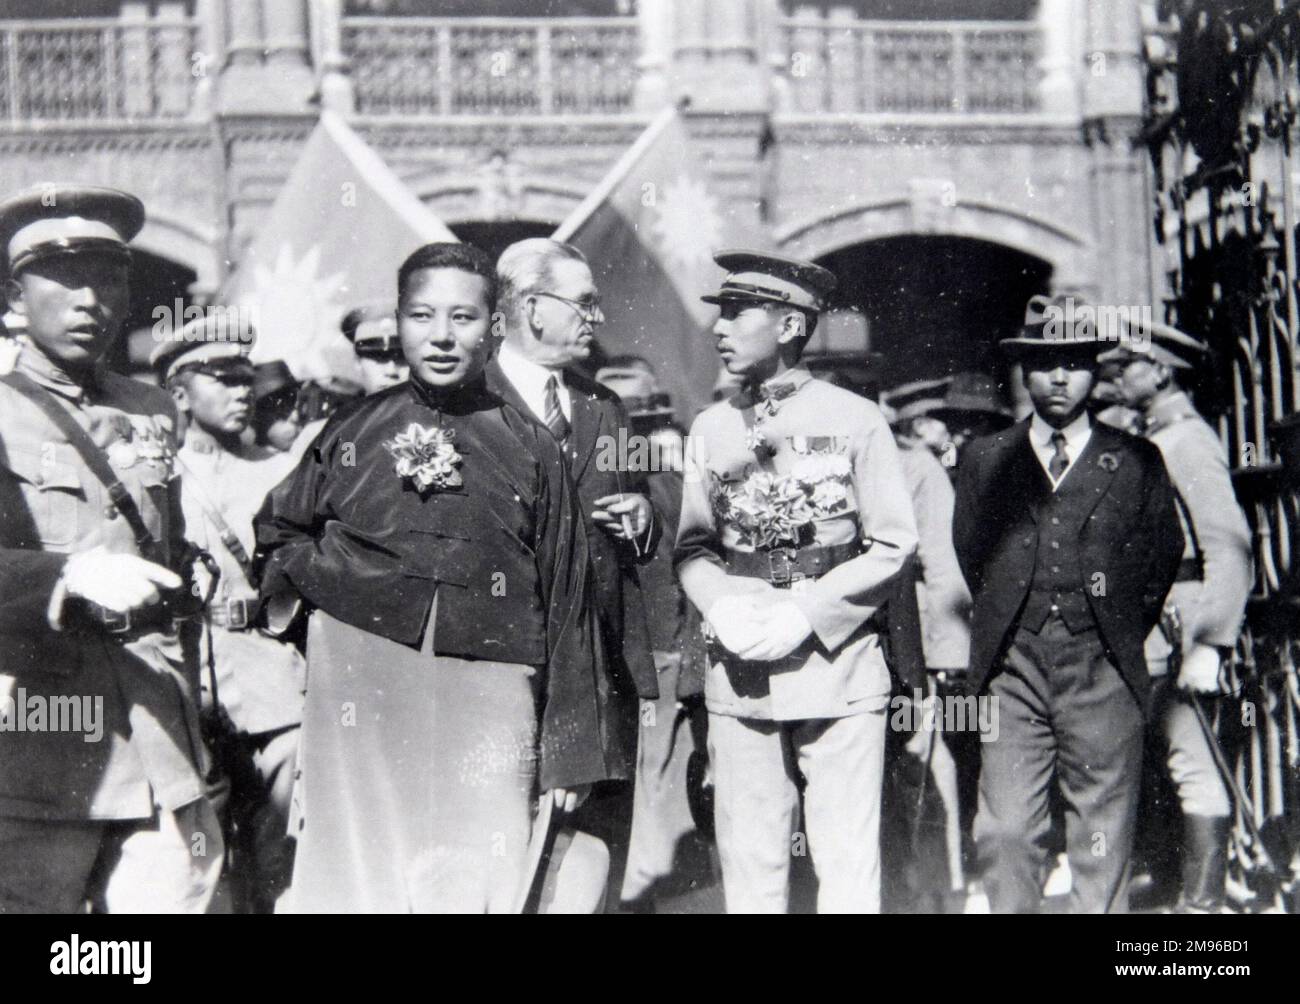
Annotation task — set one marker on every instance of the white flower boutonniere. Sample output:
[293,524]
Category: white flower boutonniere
[426,456]
[757,442]
[1108,462]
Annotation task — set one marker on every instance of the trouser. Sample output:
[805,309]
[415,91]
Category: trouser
[661,814]
[1201,790]
[168,864]
[756,809]
[1065,712]
[262,867]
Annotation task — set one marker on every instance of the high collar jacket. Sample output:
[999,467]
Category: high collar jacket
[1129,541]
[504,551]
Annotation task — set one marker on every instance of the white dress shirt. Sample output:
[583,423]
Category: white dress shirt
[1077,434]
[529,378]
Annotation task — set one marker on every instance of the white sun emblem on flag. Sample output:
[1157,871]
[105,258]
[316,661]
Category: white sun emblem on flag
[688,226]
[296,310]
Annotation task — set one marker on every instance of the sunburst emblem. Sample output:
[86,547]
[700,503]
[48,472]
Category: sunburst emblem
[297,310]
[688,227]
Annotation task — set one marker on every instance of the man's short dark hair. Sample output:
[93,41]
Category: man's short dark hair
[465,257]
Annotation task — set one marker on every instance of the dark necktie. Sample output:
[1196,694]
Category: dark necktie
[555,420]
[1060,459]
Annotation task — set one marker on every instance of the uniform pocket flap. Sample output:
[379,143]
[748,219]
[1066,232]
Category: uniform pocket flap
[45,471]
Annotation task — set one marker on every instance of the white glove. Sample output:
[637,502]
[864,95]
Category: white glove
[1200,670]
[117,582]
[734,620]
[782,627]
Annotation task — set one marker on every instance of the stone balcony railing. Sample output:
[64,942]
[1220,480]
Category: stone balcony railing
[98,69]
[144,68]
[910,67]
[486,66]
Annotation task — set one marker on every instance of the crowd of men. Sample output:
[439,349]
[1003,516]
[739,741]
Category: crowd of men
[798,569]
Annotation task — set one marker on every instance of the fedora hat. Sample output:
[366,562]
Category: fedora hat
[1055,324]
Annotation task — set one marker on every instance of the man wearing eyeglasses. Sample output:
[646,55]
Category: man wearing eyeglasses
[550,310]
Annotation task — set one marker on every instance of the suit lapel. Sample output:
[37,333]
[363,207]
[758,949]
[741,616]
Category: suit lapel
[1091,479]
[1020,466]
[586,427]
[500,385]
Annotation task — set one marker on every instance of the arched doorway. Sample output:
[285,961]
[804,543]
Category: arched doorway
[935,304]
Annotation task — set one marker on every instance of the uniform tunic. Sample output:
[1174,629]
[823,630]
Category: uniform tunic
[260,680]
[52,506]
[842,443]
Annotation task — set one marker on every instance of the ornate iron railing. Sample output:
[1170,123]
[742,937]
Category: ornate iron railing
[1222,136]
[841,65]
[491,66]
[98,69]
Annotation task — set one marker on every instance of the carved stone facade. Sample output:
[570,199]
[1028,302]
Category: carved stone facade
[1015,139]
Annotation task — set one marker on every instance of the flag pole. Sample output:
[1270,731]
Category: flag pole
[615,177]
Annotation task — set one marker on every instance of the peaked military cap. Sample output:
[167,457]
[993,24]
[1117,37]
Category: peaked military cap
[910,400]
[381,342]
[64,219]
[218,341]
[772,278]
[1159,343]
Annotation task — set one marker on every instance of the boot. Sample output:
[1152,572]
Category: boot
[1205,863]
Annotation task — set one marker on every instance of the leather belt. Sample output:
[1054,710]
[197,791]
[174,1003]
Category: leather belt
[234,615]
[1190,570]
[784,566]
[154,619]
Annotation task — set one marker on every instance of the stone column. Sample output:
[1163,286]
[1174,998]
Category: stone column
[332,69]
[267,70]
[716,55]
[1113,95]
[655,22]
[1061,25]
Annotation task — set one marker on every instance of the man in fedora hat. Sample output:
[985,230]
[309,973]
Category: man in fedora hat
[110,812]
[1068,537]
[255,680]
[1213,583]
[795,523]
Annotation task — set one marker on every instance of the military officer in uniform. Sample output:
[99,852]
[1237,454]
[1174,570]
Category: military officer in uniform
[372,330]
[113,812]
[258,680]
[795,520]
[1210,593]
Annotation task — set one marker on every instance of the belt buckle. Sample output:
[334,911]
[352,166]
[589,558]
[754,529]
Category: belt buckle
[786,575]
[236,621]
[114,622]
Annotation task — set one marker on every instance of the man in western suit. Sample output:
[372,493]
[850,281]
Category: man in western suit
[550,309]
[1067,534]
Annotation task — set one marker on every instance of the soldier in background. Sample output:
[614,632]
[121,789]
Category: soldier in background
[91,606]
[1209,594]
[256,680]
[372,330]
[276,422]
[662,856]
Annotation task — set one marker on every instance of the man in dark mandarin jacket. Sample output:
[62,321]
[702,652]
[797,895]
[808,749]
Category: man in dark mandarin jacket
[1067,535]
[550,308]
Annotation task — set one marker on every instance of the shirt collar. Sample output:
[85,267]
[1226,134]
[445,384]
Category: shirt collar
[42,370]
[523,372]
[1040,433]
